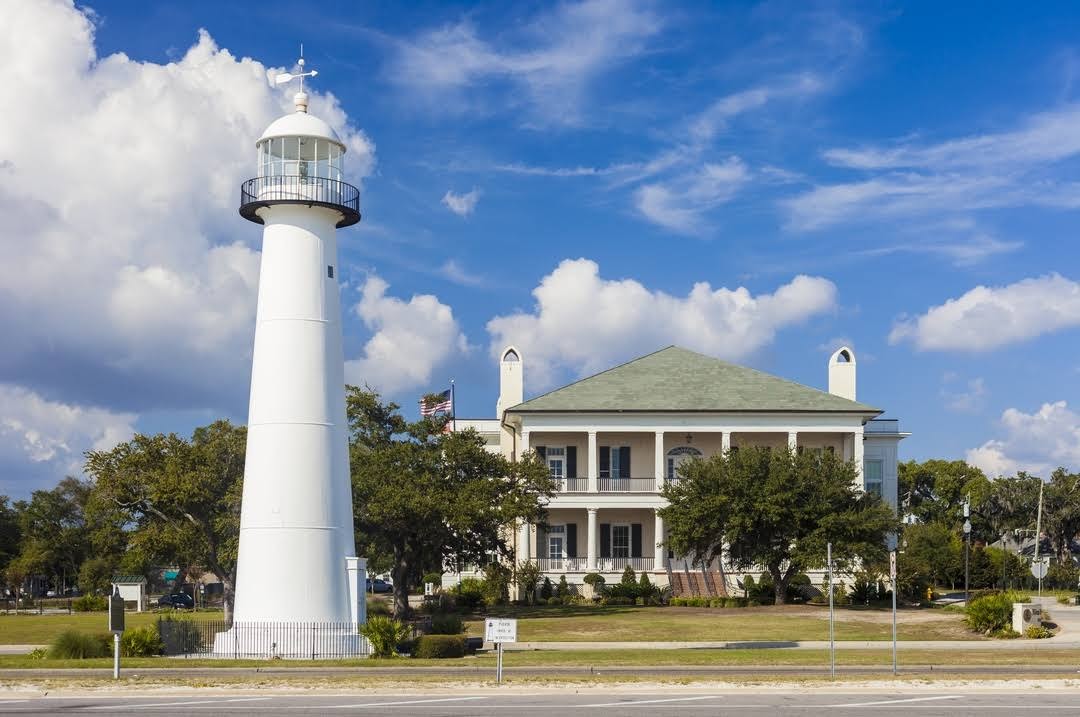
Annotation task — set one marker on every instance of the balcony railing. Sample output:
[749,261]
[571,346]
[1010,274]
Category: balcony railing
[882,425]
[609,565]
[263,192]
[573,485]
[562,565]
[627,485]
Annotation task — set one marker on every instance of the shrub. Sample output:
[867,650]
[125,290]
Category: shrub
[384,634]
[647,591]
[75,645]
[141,642]
[496,584]
[377,607]
[90,603]
[596,582]
[1037,632]
[529,575]
[562,590]
[863,589]
[554,600]
[1062,576]
[546,590]
[180,636]
[433,578]
[447,625]
[469,594]
[629,577]
[616,600]
[992,613]
[434,647]
[38,653]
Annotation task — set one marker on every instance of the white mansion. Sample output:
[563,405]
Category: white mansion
[612,441]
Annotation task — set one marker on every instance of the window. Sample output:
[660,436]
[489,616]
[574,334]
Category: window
[620,541]
[556,460]
[329,271]
[677,456]
[873,476]
[556,542]
[614,461]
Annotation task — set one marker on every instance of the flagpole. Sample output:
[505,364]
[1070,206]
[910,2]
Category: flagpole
[453,407]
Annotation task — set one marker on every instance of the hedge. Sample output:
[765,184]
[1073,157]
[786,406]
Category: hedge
[433,647]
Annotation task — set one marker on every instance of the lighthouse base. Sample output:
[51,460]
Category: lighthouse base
[291,641]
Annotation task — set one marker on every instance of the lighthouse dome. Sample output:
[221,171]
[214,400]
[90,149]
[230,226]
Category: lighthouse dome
[301,124]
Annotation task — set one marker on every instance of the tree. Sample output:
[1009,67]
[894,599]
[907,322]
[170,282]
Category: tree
[528,578]
[10,534]
[54,532]
[775,508]
[180,499]
[933,554]
[423,496]
[934,490]
[1061,512]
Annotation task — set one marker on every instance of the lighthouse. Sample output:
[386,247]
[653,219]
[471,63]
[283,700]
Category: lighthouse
[297,559]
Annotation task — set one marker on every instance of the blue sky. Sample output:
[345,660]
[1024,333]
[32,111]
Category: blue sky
[592,181]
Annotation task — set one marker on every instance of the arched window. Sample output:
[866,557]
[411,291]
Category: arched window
[511,355]
[676,457]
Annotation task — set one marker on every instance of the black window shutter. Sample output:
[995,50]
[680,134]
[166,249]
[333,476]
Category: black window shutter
[605,461]
[542,452]
[624,462]
[571,540]
[635,540]
[541,543]
[605,540]
[571,461]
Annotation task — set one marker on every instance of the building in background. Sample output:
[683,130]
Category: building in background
[613,440]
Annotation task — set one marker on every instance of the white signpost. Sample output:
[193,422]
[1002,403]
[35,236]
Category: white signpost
[500,630]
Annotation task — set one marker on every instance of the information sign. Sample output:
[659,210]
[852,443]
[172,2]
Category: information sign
[500,630]
[116,613]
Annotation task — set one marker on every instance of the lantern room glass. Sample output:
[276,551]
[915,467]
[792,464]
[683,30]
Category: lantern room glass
[300,157]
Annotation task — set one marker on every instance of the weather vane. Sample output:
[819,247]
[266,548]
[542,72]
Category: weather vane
[300,75]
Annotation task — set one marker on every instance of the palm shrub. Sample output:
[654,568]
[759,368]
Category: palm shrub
[141,642]
[992,613]
[383,634]
[75,645]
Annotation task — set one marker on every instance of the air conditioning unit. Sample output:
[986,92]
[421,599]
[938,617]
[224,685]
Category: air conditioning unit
[1025,615]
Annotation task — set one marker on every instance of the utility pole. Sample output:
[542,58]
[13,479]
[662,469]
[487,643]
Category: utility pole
[1038,533]
[832,634]
[967,547]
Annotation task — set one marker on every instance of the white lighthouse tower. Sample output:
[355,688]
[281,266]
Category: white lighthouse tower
[297,559]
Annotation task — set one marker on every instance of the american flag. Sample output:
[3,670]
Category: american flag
[437,403]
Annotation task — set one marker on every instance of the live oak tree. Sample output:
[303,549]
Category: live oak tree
[425,497]
[178,500]
[53,531]
[776,509]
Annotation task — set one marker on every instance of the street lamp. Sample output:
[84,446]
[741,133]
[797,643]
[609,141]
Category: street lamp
[967,547]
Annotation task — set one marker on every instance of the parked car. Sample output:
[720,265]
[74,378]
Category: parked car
[181,601]
[378,585]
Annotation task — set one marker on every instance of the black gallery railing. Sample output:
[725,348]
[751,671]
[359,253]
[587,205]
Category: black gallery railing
[261,640]
[287,188]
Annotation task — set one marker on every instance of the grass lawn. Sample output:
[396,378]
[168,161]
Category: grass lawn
[607,658]
[33,629]
[582,623]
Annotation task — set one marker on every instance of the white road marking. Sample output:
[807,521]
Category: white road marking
[896,702]
[179,704]
[391,704]
[653,702]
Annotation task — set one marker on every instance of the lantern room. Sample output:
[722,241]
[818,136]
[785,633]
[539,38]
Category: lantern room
[300,161]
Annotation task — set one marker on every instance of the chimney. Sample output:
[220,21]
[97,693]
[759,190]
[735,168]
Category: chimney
[511,380]
[842,373]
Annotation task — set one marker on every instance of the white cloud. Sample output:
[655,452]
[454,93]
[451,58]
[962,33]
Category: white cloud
[411,338]
[118,193]
[461,204]
[987,318]
[584,323]
[550,63]
[966,399]
[716,116]
[681,204]
[1004,169]
[1035,442]
[456,273]
[51,435]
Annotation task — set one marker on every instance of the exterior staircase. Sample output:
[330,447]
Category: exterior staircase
[687,582]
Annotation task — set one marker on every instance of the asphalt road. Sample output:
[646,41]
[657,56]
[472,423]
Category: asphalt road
[489,704]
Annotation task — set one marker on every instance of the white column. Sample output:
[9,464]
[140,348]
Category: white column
[792,440]
[725,441]
[524,546]
[659,468]
[593,463]
[524,447]
[857,453]
[658,538]
[590,554]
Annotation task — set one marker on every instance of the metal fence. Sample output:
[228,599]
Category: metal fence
[262,640]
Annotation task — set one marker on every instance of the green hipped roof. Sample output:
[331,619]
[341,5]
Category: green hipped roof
[676,379]
[128,579]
